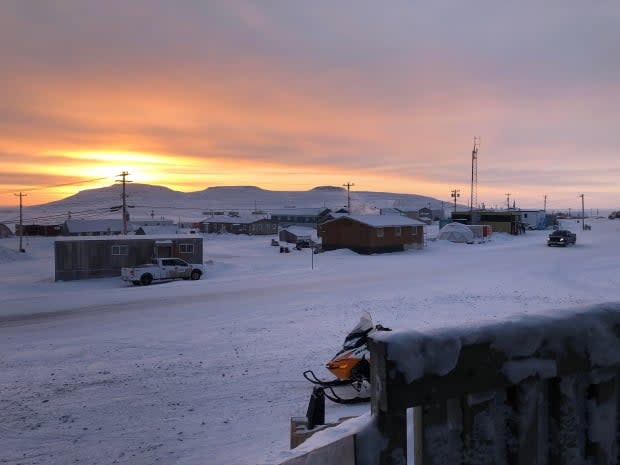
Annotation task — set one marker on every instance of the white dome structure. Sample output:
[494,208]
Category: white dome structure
[455,232]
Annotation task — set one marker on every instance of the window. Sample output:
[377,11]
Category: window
[120,250]
[186,248]
[414,231]
[397,231]
[379,232]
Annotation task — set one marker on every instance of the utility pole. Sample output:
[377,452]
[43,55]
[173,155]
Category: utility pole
[583,213]
[545,203]
[21,220]
[348,186]
[124,181]
[507,200]
[455,193]
[474,177]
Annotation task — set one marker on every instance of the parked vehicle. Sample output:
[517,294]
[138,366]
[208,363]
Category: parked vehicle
[561,237]
[161,269]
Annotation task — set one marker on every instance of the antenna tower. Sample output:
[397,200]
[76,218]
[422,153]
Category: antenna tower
[474,174]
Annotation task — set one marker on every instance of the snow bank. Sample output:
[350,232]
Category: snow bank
[589,331]
[8,255]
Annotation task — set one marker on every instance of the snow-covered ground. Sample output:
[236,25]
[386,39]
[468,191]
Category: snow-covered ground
[210,372]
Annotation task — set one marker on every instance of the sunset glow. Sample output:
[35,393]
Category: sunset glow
[232,93]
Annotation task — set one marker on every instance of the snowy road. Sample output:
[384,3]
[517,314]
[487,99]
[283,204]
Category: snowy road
[209,372]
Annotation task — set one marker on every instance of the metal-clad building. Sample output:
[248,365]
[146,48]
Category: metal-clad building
[300,216]
[239,225]
[87,258]
[508,221]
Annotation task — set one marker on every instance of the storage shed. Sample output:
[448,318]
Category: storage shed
[297,234]
[87,258]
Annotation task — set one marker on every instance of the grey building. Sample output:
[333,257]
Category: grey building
[94,227]
[87,258]
[300,216]
[250,225]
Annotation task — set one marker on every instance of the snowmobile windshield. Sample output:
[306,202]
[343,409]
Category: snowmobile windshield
[358,335]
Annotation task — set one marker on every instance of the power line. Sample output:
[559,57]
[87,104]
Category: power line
[30,189]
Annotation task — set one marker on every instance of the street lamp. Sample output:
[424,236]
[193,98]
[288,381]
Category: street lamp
[455,193]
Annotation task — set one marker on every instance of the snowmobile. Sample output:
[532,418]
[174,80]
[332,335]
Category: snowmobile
[350,366]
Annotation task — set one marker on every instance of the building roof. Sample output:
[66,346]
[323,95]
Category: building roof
[244,219]
[122,238]
[300,211]
[92,226]
[302,232]
[162,229]
[382,221]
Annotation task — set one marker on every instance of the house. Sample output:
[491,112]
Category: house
[297,234]
[372,233]
[92,257]
[94,227]
[5,231]
[250,225]
[508,221]
[299,216]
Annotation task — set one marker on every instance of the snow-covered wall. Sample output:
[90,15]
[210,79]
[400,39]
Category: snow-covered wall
[535,390]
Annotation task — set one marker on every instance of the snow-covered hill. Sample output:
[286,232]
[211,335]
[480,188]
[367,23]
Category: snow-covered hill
[147,201]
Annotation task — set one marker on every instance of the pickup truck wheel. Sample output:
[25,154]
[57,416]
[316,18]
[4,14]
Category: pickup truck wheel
[195,275]
[146,279]
[135,283]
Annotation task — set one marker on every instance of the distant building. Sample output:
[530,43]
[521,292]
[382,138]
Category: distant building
[39,229]
[87,258]
[534,219]
[160,222]
[508,221]
[300,216]
[5,231]
[156,230]
[372,233]
[297,234]
[250,225]
[94,227]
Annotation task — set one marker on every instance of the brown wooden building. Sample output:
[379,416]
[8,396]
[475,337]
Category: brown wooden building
[372,233]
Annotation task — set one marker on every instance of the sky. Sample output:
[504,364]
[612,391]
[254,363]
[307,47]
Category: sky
[292,95]
[207,372]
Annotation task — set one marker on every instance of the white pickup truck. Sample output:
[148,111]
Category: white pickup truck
[161,269]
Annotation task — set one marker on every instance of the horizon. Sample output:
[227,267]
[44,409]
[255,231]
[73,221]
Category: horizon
[389,98]
[448,205]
